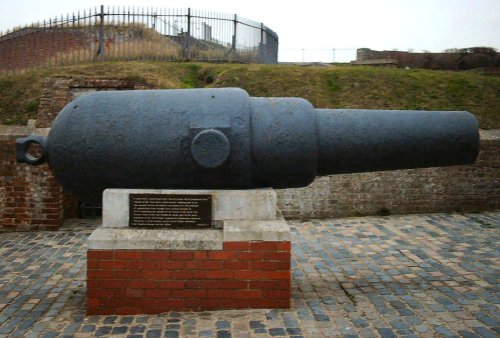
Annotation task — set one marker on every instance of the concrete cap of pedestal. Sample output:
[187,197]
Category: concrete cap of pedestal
[255,204]
[245,215]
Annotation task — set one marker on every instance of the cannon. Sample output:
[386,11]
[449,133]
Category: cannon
[225,139]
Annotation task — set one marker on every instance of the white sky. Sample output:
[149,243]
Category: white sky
[310,30]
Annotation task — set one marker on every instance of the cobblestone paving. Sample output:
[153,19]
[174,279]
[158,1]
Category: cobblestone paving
[426,275]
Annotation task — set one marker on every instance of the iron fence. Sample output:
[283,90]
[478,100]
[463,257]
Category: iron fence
[312,55]
[137,34]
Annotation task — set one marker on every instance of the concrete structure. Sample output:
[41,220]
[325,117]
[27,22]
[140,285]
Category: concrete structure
[376,62]
[246,264]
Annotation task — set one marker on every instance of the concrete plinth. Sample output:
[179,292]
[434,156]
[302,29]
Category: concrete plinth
[246,264]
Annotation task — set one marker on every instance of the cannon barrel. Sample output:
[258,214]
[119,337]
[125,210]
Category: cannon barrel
[224,139]
[353,140]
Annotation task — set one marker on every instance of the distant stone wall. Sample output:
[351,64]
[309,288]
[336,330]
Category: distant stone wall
[460,188]
[450,61]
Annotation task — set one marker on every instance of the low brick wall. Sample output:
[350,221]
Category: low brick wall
[30,197]
[460,188]
[242,275]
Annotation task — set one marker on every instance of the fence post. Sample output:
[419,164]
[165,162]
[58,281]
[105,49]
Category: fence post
[101,35]
[50,40]
[2,58]
[233,44]
[188,35]
[261,45]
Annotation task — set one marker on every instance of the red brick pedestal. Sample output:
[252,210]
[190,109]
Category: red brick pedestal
[245,264]
[241,275]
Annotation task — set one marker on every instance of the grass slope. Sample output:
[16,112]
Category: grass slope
[324,87]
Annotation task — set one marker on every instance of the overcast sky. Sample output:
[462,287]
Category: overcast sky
[311,29]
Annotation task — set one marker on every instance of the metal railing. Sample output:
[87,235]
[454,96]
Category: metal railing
[137,34]
[311,55]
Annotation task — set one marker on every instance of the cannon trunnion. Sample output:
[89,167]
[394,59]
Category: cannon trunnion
[224,139]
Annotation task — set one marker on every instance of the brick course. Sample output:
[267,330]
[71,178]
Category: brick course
[241,275]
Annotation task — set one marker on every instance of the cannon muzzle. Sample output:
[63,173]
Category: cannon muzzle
[224,139]
[353,140]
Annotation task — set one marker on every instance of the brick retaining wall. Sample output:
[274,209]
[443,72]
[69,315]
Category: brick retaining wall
[34,47]
[30,198]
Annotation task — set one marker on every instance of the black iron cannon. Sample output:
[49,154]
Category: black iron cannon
[224,139]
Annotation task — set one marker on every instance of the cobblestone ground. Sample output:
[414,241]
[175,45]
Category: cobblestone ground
[425,275]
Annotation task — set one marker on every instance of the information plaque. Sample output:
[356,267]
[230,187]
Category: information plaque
[170,211]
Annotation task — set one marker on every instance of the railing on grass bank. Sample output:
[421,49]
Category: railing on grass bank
[137,34]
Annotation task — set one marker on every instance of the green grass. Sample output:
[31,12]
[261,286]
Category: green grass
[324,87]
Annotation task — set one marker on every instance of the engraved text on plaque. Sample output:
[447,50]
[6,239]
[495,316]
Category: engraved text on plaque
[170,211]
